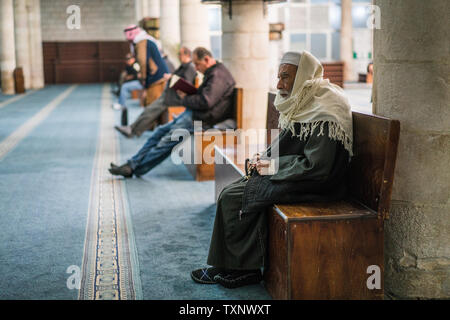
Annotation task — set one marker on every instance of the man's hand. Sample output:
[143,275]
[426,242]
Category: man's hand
[181,94]
[167,76]
[262,166]
[252,162]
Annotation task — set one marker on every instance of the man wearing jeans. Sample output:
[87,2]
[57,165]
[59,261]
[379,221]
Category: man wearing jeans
[148,118]
[212,104]
[130,83]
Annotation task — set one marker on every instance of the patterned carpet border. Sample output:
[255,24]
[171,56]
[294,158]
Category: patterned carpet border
[110,269]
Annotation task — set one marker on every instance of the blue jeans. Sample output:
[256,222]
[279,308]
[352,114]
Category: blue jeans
[159,146]
[125,90]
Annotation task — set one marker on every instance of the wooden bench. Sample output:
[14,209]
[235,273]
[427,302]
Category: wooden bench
[334,71]
[136,94]
[327,250]
[203,141]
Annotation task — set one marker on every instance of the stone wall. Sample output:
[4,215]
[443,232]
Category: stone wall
[101,20]
[412,84]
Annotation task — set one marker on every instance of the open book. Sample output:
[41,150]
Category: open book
[178,83]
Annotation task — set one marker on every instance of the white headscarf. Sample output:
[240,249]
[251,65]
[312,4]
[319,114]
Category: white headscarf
[143,35]
[315,101]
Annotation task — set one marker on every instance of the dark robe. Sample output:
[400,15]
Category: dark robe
[313,169]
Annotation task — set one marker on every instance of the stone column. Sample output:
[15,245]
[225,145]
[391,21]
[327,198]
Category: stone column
[138,9]
[194,27]
[170,28]
[22,38]
[153,9]
[35,43]
[147,8]
[144,8]
[245,52]
[412,84]
[346,40]
[7,56]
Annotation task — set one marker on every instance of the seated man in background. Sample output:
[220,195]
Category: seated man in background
[314,148]
[153,66]
[130,81]
[148,118]
[212,104]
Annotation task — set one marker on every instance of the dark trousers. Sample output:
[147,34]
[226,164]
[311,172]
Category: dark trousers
[147,120]
[239,240]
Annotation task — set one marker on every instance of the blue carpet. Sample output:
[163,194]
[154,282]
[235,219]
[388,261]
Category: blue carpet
[44,188]
[44,195]
[173,218]
[17,113]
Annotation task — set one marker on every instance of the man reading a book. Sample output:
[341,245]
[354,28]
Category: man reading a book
[211,104]
[313,150]
[147,119]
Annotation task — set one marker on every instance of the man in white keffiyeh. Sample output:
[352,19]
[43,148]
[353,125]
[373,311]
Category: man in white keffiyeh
[314,148]
[312,100]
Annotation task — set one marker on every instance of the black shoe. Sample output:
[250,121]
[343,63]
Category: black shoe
[239,278]
[113,165]
[124,170]
[125,130]
[205,275]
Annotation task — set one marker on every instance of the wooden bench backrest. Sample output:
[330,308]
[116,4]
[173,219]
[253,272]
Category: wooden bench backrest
[375,141]
[334,71]
[272,116]
[237,106]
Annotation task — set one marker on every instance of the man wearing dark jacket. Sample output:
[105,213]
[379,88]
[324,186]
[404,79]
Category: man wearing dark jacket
[148,118]
[312,153]
[212,104]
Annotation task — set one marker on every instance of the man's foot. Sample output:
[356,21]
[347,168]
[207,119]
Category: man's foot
[113,165]
[125,130]
[239,278]
[205,275]
[116,106]
[124,170]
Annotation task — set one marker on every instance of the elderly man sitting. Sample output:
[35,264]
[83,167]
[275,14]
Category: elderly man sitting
[212,104]
[314,148]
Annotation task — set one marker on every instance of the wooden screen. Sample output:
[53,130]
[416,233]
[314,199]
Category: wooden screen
[84,62]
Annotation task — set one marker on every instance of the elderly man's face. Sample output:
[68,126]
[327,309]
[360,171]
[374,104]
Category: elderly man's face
[286,78]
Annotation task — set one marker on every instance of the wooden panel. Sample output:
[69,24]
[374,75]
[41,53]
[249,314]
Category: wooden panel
[328,210]
[80,72]
[175,111]
[374,147]
[334,71]
[84,62]
[238,105]
[113,50]
[19,81]
[110,70]
[272,116]
[73,51]
[50,55]
[203,145]
[277,274]
[329,259]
